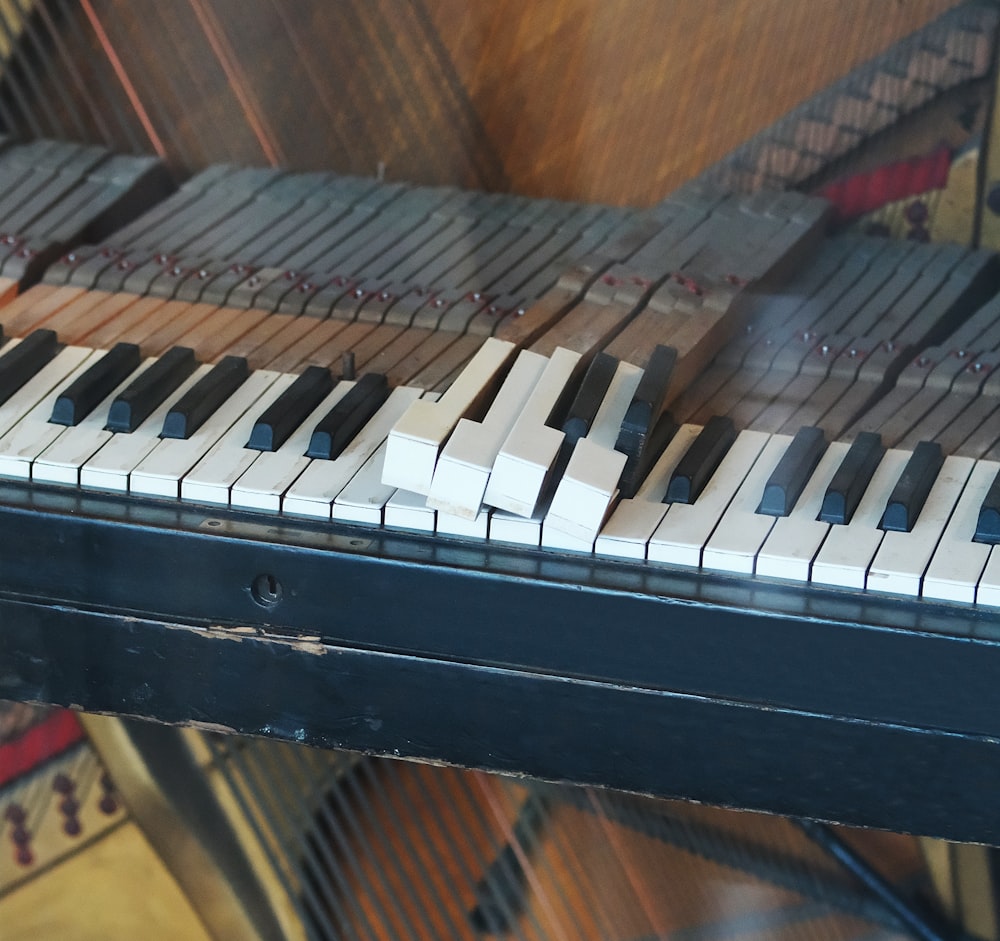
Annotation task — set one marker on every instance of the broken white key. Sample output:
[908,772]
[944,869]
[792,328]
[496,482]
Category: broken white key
[590,481]
[902,558]
[160,473]
[847,551]
[30,436]
[320,483]
[958,561]
[463,469]
[417,439]
[532,446]
[224,463]
[110,467]
[795,539]
[635,520]
[734,545]
[681,536]
[262,484]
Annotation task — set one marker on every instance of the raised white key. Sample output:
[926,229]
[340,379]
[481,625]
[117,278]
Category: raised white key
[635,520]
[902,558]
[681,536]
[590,481]
[160,473]
[262,484]
[33,433]
[320,483]
[847,551]
[958,561]
[110,467]
[54,375]
[210,480]
[795,539]
[408,510]
[531,448]
[463,469]
[416,441]
[734,545]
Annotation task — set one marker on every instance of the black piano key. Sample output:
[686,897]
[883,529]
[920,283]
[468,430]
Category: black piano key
[647,403]
[83,395]
[137,401]
[908,496]
[851,479]
[26,359]
[695,469]
[656,441]
[339,426]
[280,419]
[784,486]
[589,397]
[642,414]
[194,408]
[988,523]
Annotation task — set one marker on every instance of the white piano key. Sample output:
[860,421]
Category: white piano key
[408,510]
[210,480]
[553,538]
[988,587]
[734,545]
[463,469]
[110,467]
[635,520]
[364,499]
[531,448]
[32,432]
[795,539]
[958,561]
[160,473]
[519,530]
[61,461]
[590,481]
[262,484]
[685,528]
[54,375]
[417,439]
[902,558]
[847,551]
[320,483]
[477,528]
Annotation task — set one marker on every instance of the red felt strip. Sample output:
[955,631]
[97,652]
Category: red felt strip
[38,744]
[857,195]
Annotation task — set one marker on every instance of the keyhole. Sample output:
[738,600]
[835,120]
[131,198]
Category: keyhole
[266,590]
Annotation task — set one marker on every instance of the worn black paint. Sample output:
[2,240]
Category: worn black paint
[865,710]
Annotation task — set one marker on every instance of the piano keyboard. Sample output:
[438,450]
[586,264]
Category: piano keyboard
[504,368]
[758,511]
[641,418]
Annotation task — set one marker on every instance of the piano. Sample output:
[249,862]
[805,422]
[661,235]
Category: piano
[587,634]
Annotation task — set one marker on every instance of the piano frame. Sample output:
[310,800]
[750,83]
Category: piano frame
[800,700]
